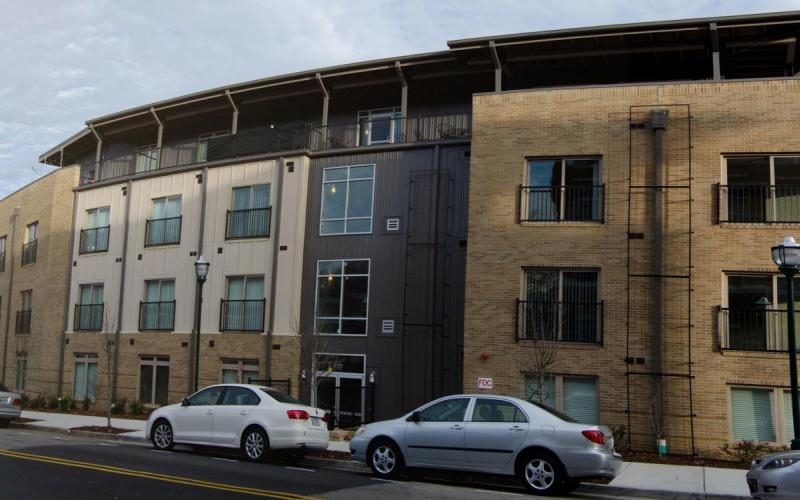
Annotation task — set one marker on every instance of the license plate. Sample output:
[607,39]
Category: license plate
[315,421]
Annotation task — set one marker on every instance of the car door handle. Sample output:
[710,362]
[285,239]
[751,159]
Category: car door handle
[456,428]
[243,412]
[210,412]
[516,428]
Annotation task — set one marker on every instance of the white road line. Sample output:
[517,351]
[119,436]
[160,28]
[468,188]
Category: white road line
[224,459]
[301,468]
[106,444]
[385,480]
[495,492]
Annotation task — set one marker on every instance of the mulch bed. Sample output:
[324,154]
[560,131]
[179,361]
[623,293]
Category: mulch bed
[101,428]
[93,413]
[654,458]
[332,455]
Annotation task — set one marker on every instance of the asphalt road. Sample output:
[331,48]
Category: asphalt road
[41,465]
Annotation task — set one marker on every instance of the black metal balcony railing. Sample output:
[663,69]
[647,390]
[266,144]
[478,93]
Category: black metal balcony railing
[391,131]
[560,321]
[23,322]
[94,240]
[2,262]
[762,203]
[88,317]
[29,252]
[163,231]
[157,315]
[250,223]
[561,203]
[276,139]
[241,315]
[754,329]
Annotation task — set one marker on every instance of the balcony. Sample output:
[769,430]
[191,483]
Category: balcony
[759,203]
[94,240]
[242,315]
[159,316]
[2,262]
[561,203]
[23,323]
[397,130]
[754,329]
[163,232]
[367,132]
[560,321]
[29,252]
[251,223]
[88,317]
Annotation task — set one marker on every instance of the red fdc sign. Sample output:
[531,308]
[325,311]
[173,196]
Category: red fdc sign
[484,383]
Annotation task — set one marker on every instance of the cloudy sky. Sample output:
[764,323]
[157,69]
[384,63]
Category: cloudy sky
[63,62]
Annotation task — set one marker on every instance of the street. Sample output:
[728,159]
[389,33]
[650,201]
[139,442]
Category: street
[43,465]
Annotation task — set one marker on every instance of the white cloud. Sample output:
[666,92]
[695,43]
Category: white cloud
[75,92]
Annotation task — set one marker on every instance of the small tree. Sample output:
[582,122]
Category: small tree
[107,340]
[310,345]
[539,362]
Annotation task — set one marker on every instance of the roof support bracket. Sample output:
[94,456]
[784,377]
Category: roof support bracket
[99,145]
[160,136]
[498,67]
[235,119]
[717,72]
[404,89]
[325,100]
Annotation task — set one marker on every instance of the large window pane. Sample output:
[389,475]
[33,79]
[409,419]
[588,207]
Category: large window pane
[328,294]
[751,413]
[347,200]
[580,399]
[342,297]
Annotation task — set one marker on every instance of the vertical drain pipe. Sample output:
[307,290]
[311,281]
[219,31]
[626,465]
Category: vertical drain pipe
[658,123]
[11,263]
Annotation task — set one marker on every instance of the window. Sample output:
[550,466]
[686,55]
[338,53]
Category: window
[24,314]
[85,377]
[563,190]
[240,396]
[250,216]
[157,312]
[154,380]
[202,143]
[561,306]
[89,312]
[761,189]
[22,370]
[339,387]
[29,247]
[164,228]
[379,126]
[754,318]
[342,297]
[761,414]
[243,310]
[146,158]
[574,396]
[449,410]
[239,371]
[495,410]
[206,397]
[2,254]
[94,237]
[347,200]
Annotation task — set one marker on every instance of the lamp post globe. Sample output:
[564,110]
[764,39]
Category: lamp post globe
[787,257]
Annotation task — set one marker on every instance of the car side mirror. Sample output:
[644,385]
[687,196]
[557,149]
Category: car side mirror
[415,417]
[185,402]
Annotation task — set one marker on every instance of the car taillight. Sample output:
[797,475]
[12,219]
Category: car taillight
[596,437]
[17,402]
[297,414]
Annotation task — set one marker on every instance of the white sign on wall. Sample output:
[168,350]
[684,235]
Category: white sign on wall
[485,383]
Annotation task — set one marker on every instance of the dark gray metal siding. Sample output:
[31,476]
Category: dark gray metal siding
[416,274]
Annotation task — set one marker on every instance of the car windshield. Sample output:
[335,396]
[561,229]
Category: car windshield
[280,397]
[553,411]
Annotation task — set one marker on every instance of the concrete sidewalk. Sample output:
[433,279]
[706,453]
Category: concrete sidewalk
[635,479]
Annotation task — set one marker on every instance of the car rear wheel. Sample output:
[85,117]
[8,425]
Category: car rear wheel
[384,459]
[255,444]
[162,437]
[541,473]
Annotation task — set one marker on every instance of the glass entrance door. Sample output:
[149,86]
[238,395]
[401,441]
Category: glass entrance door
[343,396]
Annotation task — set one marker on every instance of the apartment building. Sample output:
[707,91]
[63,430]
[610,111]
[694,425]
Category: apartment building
[367,248]
[35,232]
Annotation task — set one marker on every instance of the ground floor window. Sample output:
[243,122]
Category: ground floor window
[85,383]
[239,371]
[575,396]
[761,414]
[154,379]
[22,370]
[339,387]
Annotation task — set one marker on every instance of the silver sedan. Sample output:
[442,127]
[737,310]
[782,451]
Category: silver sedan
[775,475]
[547,451]
[10,406]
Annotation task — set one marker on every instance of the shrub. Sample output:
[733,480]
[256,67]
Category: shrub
[53,402]
[748,450]
[620,432]
[137,407]
[119,407]
[84,404]
[26,401]
[40,401]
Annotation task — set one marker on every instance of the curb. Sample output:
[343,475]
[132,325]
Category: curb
[56,430]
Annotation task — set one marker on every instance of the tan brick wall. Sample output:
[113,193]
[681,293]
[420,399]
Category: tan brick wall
[49,201]
[727,117]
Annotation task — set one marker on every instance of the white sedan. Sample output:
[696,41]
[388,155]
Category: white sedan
[10,406]
[253,418]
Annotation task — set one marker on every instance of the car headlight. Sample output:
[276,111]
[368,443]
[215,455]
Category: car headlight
[361,430]
[780,463]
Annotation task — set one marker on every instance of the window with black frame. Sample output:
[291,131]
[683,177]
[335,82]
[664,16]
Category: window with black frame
[250,213]
[562,189]
[761,189]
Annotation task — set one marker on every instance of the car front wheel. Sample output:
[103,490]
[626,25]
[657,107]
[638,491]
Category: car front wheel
[384,459]
[541,474]
[255,444]
[162,436]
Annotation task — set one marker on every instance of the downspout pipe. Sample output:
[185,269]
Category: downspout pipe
[128,192]
[274,285]
[62,347]
[202,178]
[658,123]
[11,263]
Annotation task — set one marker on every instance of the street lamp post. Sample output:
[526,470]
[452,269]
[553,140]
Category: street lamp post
[201,271]
[787,258]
